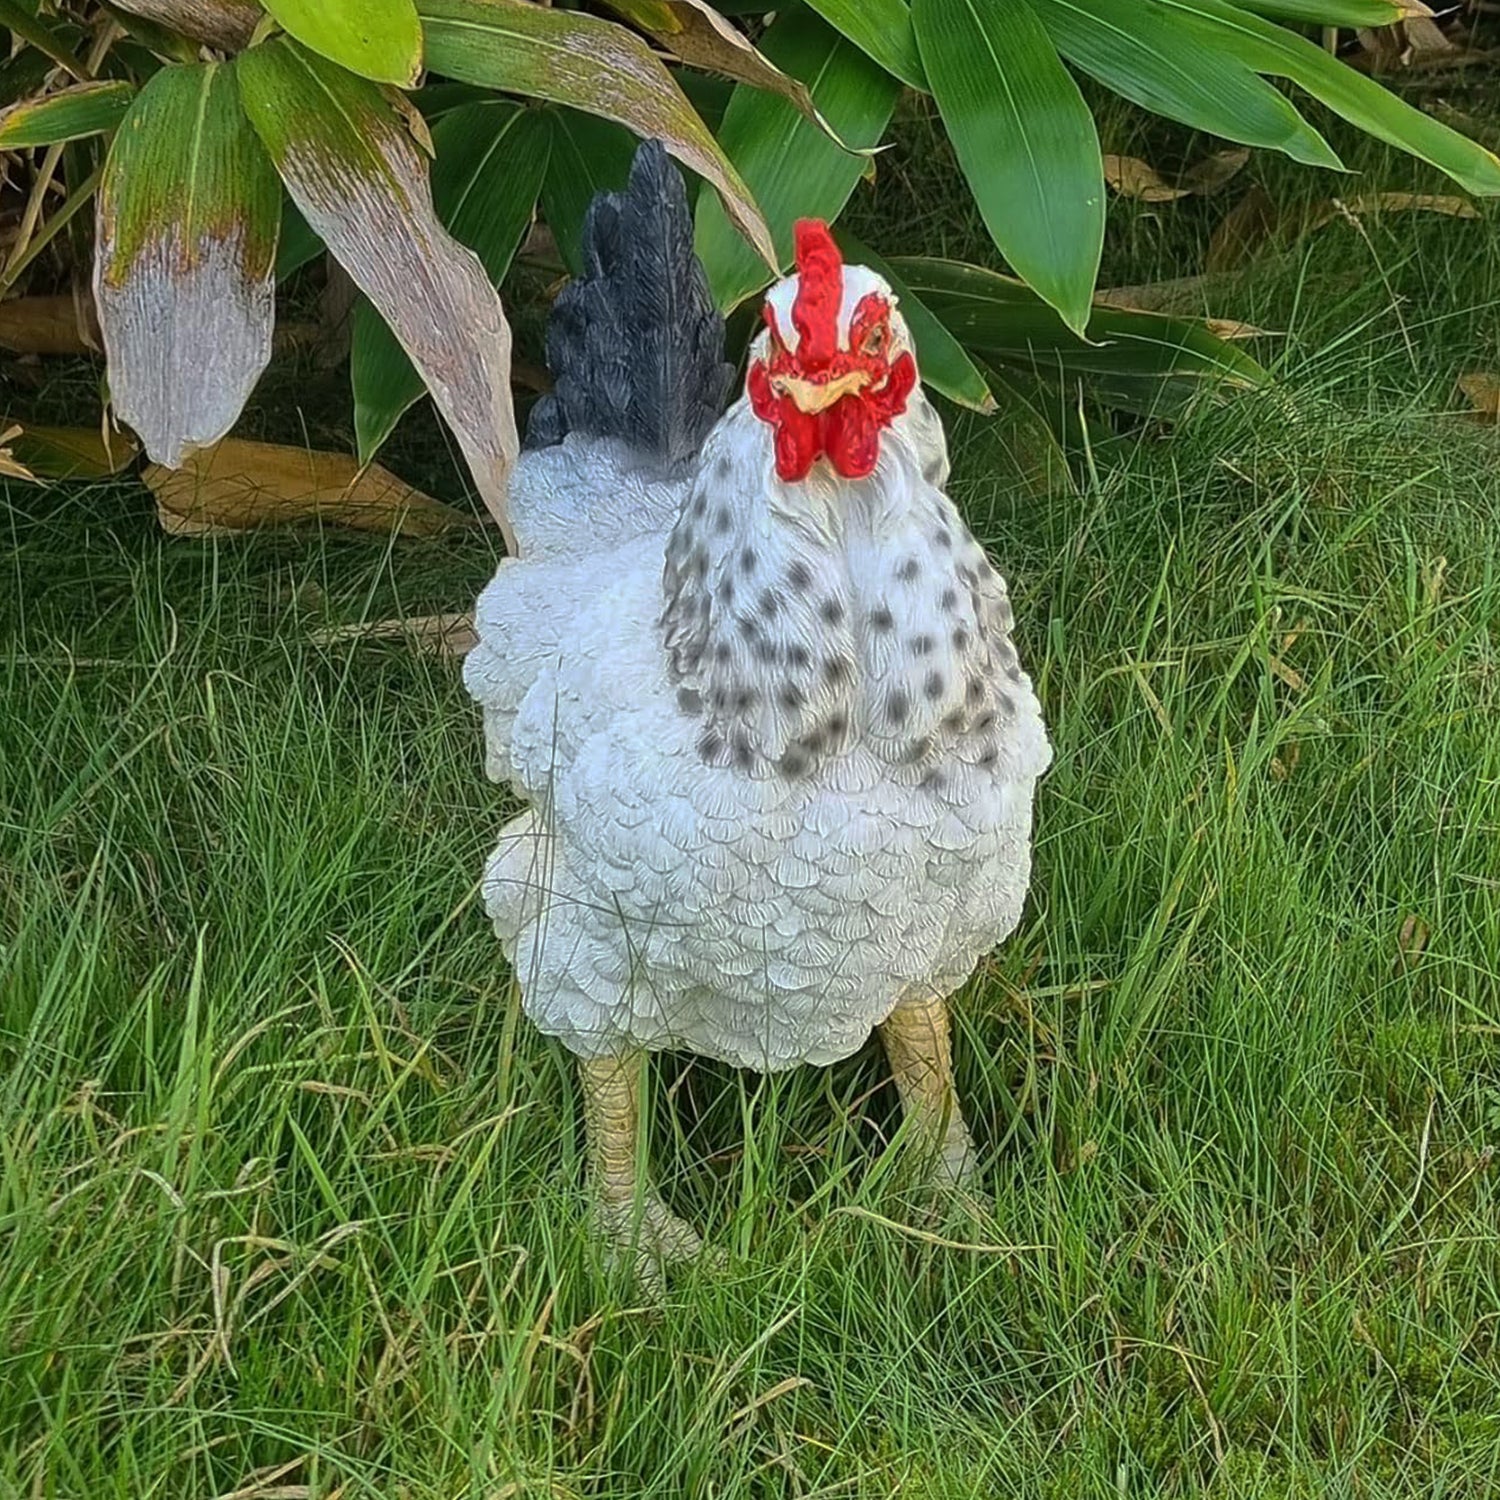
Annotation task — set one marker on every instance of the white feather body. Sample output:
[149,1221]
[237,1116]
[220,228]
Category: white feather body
[736,844]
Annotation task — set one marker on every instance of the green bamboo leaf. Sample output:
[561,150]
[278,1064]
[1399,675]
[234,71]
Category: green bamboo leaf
[695,32]
[1141,360]
[1337,12]
[69,452]
[298,244]
[379,39]
[188,214]
[1025,140]
[882,30]
[579,60]
[488,169]
[1221,30]
[588,156]
[1142,51]
[940,357]
[360,180]
[794,169]
[68,115]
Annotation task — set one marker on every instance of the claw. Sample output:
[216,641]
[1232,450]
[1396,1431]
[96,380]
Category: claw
[648,1237]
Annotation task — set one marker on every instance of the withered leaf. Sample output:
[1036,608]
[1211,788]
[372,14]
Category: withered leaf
[236,485]
[436,635]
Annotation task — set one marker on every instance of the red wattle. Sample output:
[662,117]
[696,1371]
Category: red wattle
[851,438]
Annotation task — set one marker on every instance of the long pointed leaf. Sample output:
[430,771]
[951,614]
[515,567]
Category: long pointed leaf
[220,23]
[795,169]
[1025,140]
[882,30]
[1222,29]
[578,60]
[68,115]
[485,179]
[361,183]
[379,39]
[694,31]
[1143,51]
[188,214]
[1006,321]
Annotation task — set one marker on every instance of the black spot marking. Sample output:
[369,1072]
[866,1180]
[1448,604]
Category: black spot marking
[934,685]
[960,639]
[954,721]
[897,706]
[798,577]
[722,520]
[975,690]
[921,645]
[984,721]
[1007,704]
[969,576]
[837,668]
[832,610]
[700,503]
[748,628]
[791,696]
[882,619]
[812,742]
[723,651]
[710,747]
[700,565]
[769,603]
[747,561]
[942,537]
[721,466]
[797,656]
[726,591]
[837,724]
[689,700]
[744,757]
[989,757]
[719,698]
[932,781]
[795,762]
[908,570]
[948,599]
[745,698]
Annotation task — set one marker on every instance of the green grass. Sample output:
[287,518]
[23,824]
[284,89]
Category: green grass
[289,1193]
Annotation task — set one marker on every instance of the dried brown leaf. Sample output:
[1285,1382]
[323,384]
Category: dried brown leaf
[221,23]
[236,484]
[1483,390]
[437,635]
[60,324]
[1243,232]
[1131,177]
[1411,940]
[1213,172]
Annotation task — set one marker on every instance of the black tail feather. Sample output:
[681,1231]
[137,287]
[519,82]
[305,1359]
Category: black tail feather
[635,344]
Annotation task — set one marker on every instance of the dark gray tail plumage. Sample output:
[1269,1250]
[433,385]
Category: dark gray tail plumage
[635,344]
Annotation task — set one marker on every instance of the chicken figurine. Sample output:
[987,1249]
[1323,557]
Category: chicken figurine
[755,679]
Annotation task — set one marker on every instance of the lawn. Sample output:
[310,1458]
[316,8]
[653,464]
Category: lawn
[289,1192]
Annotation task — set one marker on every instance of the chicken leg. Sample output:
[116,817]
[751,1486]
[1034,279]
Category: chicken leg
[628,1212]
[918,1045]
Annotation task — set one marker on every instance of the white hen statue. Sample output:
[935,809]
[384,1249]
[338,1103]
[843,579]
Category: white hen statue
[755,678]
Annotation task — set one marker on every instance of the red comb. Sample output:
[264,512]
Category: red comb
[820,290]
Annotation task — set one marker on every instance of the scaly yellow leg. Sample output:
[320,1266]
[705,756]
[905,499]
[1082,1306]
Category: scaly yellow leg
[627,1210]
[918,1045]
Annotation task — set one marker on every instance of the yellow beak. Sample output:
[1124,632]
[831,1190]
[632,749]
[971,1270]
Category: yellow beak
[813,396]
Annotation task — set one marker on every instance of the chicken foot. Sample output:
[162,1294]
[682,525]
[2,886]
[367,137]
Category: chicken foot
[628,1211]
[917,1037]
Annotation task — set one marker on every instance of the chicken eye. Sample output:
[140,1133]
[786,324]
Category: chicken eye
[873,341]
